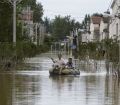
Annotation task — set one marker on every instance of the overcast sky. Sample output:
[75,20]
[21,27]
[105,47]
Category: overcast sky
[76,8]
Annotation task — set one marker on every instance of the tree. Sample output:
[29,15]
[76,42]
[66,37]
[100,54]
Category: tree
[6,19]
[48,25]
[38,13]
[24,3]
[86,21]
[5,22]
[62,26]
[36,7]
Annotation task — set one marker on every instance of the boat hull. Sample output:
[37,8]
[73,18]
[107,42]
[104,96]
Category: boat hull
[64,72]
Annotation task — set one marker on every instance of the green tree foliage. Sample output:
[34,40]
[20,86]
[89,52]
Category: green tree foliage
[6,18]
[5,22]
[36,7]
[61,26]
[38,13]
[24,3]
[48,25]
[86,21]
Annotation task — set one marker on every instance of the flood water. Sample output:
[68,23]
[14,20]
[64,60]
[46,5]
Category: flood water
[36,87]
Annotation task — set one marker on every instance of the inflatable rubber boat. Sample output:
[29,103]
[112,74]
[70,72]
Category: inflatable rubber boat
[65,71]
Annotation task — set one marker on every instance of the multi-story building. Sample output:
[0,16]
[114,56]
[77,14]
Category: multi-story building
[34,31]
[85,37]
[39,33]
[114,30]
[95,28]
[27,22]
[104,27]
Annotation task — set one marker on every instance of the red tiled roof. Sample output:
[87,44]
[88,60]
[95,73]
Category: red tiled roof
[96,19]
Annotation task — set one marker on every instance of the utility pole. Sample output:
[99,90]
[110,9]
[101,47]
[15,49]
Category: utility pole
[14,21]
[14,3]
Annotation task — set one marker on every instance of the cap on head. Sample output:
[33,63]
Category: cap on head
[70,58]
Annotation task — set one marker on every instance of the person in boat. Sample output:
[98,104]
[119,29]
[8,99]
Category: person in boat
[69,63]
[59,64]
[60,60]
[55,64]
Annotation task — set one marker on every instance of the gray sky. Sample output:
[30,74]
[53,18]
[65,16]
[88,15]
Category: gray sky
[76,8]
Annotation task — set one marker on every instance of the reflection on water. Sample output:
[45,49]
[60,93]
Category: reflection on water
[38,88]
[69,90]
[5,89]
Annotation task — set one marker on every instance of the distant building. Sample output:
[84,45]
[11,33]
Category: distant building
[95,28]
[104,28]
[114,30]
[85,37]
[34,31]
[39,34]
[26,18]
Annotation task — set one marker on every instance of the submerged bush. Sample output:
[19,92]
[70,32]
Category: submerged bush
[106,49]
[20,51]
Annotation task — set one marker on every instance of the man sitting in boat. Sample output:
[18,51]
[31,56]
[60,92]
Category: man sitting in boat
[69,63]
[59,64]
[60,60]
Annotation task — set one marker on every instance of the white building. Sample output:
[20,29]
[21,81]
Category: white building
[39,34]
[85,37]
[34,31]
[95,28]
[114,30]
[27,21]
[104,28]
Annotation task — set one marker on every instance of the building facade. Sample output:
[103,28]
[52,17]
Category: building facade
[95,28]
[39,34]
[85,36]
[114,30]
[104,28]
[34,31]
[27,22]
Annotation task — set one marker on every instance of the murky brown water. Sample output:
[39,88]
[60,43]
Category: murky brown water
[38,88]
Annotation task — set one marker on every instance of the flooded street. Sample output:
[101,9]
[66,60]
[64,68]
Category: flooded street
[36,87]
